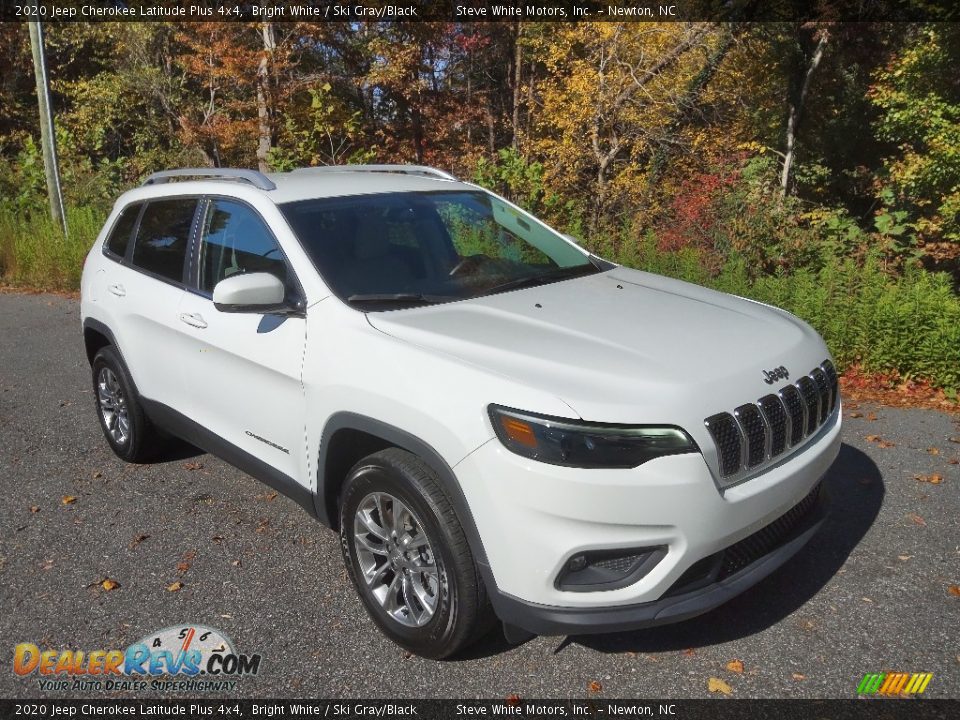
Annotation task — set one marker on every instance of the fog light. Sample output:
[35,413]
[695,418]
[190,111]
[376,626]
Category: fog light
[608,569]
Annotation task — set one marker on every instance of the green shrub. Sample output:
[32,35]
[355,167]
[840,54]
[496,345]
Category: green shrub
[34,253]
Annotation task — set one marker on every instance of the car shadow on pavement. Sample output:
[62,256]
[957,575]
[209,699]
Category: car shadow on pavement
[856,493]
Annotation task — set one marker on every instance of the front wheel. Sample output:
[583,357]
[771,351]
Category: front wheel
[408,557]
[126,427]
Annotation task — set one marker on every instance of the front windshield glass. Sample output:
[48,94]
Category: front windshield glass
[379,252]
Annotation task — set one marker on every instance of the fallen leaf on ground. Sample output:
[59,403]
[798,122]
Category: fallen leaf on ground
[954,590]
[855,415]
[932,479]
[183,566]
[904,557]
[917,519]
[217,539]
[866,599]
[735,666]
[689,652]
[47,564]
[886,444]
[97,474]
[192,466]
[513,699]
[34,508]
[235,563]
[175,586]
[262,526]
[871,416]
[954,440]
[953,461]
[716,685]
[137,540]
[594,686]
[872,438]
[933,450]
[108,584]
[799,676]
[68,499]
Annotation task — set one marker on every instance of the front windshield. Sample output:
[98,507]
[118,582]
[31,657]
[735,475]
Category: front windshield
[379,252]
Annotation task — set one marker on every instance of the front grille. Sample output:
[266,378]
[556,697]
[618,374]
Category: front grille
[756,432]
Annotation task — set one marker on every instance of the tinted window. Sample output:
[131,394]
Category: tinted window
[161,244]
[122,229]
[234,241]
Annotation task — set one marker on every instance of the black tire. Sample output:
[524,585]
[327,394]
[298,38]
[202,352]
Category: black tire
[462,611]
[142,441]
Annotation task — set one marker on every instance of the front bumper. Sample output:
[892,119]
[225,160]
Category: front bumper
[712,591]
[533,518]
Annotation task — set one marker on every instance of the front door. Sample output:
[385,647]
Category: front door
[244,369]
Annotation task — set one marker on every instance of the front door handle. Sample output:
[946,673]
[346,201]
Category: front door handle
[117,289]
[194,319]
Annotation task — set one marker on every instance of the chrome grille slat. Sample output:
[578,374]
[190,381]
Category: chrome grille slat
[759,432]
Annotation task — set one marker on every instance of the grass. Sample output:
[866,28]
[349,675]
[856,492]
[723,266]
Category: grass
[35,254]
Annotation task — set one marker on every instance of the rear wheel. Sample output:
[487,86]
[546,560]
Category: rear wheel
[127,429]
[408,557]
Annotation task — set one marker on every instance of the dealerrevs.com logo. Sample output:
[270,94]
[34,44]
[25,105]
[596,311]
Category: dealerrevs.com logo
[185,657]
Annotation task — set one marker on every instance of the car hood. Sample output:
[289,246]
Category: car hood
[619,346]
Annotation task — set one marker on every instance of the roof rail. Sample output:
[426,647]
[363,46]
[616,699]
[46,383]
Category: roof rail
[402,169]
[257,179]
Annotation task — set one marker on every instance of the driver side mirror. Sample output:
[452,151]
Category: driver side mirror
[258,292]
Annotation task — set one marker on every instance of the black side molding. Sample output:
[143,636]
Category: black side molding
[194,433]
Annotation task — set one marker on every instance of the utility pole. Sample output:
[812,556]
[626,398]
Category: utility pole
[48,139]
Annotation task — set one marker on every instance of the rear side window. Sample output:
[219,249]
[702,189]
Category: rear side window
[235,240]
[122,230]
[163,237]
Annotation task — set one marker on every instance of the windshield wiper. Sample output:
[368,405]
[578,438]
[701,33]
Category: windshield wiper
[403,297]
[542,278]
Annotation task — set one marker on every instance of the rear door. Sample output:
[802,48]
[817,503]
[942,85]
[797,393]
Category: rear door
[143,290]
[243,370]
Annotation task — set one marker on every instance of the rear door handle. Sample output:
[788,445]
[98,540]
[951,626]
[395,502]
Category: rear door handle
[194,319]
[117,289]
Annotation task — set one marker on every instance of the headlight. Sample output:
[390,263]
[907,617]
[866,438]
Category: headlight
[588,445]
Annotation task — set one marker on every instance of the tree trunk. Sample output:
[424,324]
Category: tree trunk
[795,113]
[517,77]
[264,120]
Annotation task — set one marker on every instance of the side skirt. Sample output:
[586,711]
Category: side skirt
[183,427]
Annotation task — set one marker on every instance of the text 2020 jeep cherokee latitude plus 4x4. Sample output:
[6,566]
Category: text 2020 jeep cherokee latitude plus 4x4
[498,423]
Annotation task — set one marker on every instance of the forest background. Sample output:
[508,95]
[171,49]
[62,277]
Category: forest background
[814,166]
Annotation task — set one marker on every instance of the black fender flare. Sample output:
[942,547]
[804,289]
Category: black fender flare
[411,443]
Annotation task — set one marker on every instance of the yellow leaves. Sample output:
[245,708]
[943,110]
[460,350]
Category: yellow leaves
[933,479]
[716,685]
[879,441]
[594,686]
[175,586]
[735,666]
[34,508]
[916,519]
[108,584]
[68,499]
[954,590]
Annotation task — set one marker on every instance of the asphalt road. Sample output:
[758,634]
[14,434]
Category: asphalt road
[870,593]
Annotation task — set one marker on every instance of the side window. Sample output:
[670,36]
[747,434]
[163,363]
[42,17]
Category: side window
[236,240]
[119,237]
[163,237]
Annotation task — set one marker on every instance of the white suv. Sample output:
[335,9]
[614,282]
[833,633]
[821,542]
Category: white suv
[498,423]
